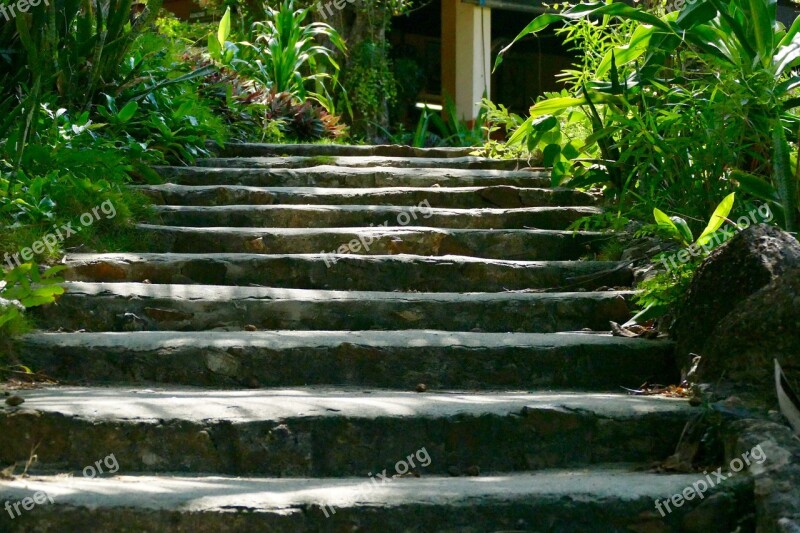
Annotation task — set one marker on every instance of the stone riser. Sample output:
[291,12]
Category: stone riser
[101,307]
[505,197]
[377,359]
[331,439]
[464,163]
[347,272]
[296,216]
[315,150]
[523,245]
[331,176]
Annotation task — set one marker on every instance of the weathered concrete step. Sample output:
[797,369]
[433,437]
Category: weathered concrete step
[335,431]
[349,272]
[348,216]
[393,359]
[137,306]
[611,499]
[465,162]
[312,150]
[531,245]
[500,196]
[353,177]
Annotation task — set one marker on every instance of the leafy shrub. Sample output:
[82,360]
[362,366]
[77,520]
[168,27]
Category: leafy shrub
[683,109]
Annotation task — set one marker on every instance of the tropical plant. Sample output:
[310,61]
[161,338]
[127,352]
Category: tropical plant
[678,228]
[286,55]
[24,287]
[710,87]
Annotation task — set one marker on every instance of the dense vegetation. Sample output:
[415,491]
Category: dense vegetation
[95,92]
[669,113]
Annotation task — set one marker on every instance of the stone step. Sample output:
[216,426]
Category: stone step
[530,245]
[349,272]
[312,150]
[464,162]
[608,498]
[499,196]
[140,306]
[516,244]
[348,216]
[392,359]
[323,432]
[353,177]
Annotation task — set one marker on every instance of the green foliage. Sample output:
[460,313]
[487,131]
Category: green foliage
[370,84]
[674,105]
[657,295]
[449,131]
[679,229]
[24,287]
[285,55]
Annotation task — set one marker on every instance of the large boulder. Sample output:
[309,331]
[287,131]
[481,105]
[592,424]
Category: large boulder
[763,327]
[732,273]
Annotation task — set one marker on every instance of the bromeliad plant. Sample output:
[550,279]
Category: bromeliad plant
[692,96]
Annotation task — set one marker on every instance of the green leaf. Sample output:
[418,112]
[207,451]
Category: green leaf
[762,28]
[554,105]
[628,53]
[224,28]
[214,48]
[127,112]
[663,220]
[718,218]
[683,229]
[696,13]
[755,186]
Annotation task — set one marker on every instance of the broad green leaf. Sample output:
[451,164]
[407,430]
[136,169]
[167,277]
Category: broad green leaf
[762,29]
[224,28]
[793,30]
[214,47]
[718,218]
[683,228]
[554,105]
[630,52]
[127,112]
[665,222]
[694,13]
[755,186]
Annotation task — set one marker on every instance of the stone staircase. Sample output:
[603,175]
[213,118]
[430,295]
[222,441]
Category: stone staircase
[309,321]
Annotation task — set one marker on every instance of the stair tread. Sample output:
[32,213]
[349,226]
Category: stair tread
[202,493]
[286,339]
[352,177]
[129,404]
[229,293]
[382,230]
[155,257]
[360,161]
